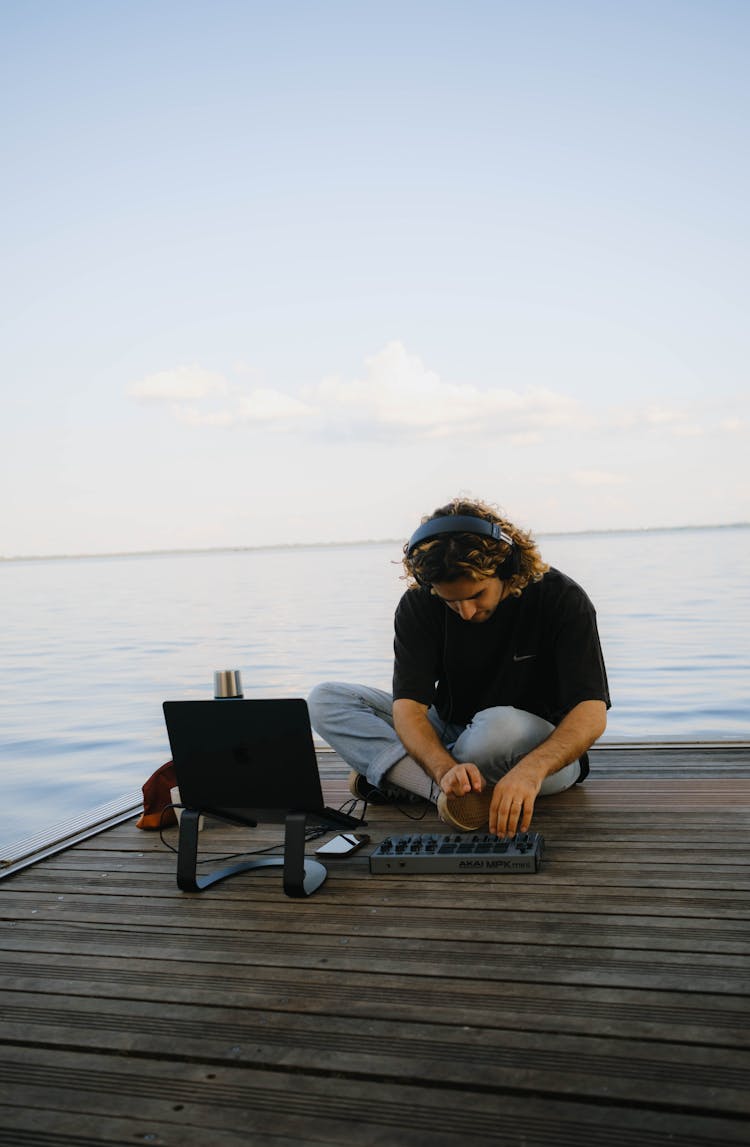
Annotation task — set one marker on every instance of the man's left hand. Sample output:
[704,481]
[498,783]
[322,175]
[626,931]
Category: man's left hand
[513,800]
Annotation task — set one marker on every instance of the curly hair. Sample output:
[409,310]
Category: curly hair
[451,556]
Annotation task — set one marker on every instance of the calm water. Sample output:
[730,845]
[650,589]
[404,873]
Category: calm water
[94,645]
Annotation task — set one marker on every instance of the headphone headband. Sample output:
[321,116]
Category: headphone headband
[457,524]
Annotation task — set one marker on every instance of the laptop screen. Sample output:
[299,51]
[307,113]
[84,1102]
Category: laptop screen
[244,759]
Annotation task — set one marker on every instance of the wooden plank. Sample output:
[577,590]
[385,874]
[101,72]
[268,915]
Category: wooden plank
[613,1069]
[326,1108]
[706,1018]
[488,893]
[537,963]
[600,865]
[45,1127]
[496,926]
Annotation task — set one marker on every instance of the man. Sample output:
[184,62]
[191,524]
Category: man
[499,685]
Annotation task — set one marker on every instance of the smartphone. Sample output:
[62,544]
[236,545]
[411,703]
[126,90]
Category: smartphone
[342,845]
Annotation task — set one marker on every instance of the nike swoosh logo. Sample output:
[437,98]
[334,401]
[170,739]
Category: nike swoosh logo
[524,657]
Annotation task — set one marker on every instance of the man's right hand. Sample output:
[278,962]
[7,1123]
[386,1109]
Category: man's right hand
[461,779]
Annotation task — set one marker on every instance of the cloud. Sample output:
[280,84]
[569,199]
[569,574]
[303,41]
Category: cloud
[260,406]
[677,422]
[222,403]
[183,383]
[398,397]
[398,394]
[691,420]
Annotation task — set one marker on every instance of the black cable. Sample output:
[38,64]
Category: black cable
[420,816]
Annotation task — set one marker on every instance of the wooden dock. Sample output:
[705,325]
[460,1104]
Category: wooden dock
[603,1001]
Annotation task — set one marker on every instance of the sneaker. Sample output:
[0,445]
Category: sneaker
[360,787]
[468,813]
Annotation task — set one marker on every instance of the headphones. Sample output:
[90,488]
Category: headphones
[467,524]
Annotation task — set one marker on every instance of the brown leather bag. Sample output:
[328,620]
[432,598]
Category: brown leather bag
[156,796]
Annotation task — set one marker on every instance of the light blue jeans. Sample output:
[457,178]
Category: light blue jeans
[357,722]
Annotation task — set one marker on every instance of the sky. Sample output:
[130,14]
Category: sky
[294,272]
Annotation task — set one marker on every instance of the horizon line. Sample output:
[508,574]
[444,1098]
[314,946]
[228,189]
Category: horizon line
[228,549]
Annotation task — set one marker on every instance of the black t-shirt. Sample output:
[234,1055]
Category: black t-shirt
[539,652]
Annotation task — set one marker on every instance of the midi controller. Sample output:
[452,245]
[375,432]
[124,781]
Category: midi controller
[458,852]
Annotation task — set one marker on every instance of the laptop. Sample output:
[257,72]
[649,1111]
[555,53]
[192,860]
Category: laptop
[248,761]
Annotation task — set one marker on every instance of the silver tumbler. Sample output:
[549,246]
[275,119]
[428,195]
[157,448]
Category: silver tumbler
[227,684]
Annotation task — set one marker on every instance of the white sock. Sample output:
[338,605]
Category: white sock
[407,774]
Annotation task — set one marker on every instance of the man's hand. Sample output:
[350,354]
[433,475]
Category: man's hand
[461,779]
[514,794]
[513,800]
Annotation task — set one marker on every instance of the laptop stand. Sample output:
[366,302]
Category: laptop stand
[302,876]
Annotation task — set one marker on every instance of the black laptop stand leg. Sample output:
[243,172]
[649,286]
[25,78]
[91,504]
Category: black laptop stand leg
[187,851]
[301,875]
[187,858]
